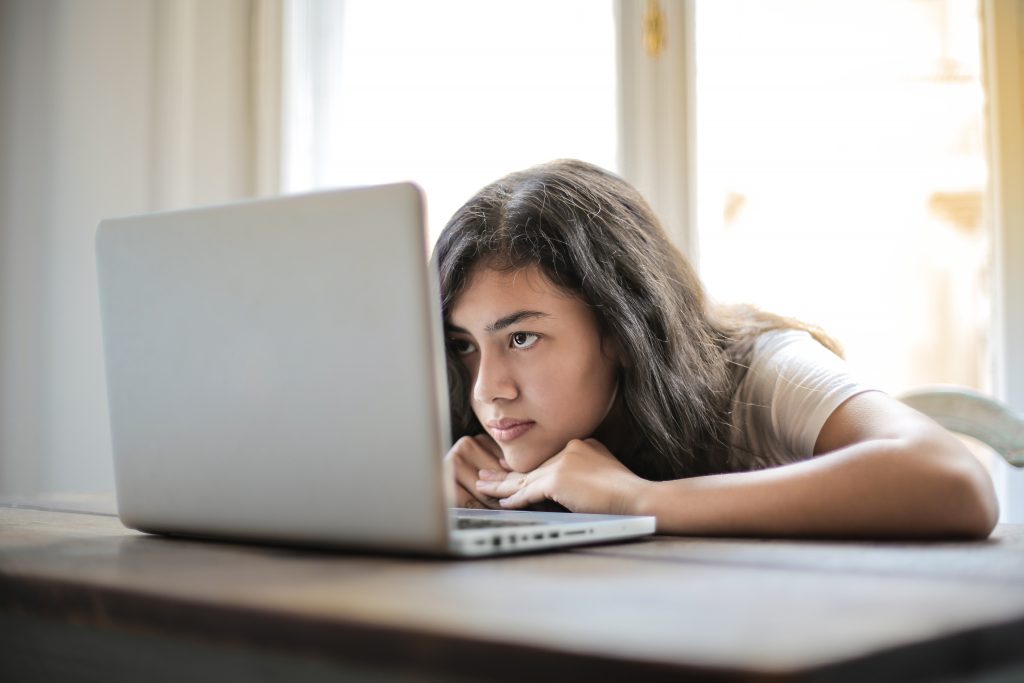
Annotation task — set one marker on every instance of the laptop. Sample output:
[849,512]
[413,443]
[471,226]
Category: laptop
[276,373]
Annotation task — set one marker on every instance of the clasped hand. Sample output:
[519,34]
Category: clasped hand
[583,477]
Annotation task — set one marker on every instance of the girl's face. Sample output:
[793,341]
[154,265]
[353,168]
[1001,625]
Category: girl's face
[541,375]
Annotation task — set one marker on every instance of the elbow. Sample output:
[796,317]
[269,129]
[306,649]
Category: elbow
[972,506]
[959,496]
[983,507]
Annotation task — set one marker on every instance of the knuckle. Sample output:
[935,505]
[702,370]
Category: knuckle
[462,448]
[483,443]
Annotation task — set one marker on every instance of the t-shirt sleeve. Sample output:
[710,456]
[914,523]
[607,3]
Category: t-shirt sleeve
[803,383]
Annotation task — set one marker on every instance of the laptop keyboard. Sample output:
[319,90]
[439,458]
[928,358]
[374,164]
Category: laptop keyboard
[483,523]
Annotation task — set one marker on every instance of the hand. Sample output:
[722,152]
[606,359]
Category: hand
[583,477]
[468,456]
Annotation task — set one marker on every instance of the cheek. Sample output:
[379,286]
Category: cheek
[578,389]
[569,399]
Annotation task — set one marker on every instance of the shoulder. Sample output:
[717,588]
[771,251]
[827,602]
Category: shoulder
[793,358]
[792,385]
[797,368]
[790,345]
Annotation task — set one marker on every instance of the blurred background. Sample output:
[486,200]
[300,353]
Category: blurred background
[854,165]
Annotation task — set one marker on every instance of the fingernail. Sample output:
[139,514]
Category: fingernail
[483,484]
[489,474]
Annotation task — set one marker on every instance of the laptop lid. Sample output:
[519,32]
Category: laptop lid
[275,370]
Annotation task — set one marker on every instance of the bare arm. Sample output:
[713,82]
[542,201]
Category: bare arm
[882,470]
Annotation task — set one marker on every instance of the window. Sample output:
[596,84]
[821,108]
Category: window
[451,94]
[841,177]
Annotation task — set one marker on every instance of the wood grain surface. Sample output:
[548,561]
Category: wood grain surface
[655,608]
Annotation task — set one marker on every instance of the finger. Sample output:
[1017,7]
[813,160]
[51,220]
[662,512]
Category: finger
[489,445]
[463,499]
[471,450]
[492,485]
[465,478]
[533,492]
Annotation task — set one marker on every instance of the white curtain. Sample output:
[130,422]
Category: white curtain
[108,107]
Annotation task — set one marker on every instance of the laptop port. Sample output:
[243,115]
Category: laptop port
[497,541]
[554,534]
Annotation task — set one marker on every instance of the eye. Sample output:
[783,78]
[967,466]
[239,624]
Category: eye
[524,340]
[462,347]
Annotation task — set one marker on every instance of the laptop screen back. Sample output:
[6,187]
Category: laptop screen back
[275,370]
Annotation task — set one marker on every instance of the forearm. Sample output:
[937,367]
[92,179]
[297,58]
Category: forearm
[881,488]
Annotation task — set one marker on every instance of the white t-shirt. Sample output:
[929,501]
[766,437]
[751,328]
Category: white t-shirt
[791,388]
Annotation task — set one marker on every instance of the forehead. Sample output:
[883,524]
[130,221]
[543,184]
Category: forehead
[491,294]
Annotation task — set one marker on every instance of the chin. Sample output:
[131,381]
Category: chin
[522,460]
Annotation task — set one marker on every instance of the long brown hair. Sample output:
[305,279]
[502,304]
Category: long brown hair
[593,235]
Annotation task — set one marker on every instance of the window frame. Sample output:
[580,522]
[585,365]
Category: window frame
[657,113]
[1003,40]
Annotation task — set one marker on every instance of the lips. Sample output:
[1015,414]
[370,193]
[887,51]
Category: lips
[509,428]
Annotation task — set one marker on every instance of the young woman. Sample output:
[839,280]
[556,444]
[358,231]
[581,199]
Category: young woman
[588,368]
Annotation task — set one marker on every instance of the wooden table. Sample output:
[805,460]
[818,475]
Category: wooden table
[82,597]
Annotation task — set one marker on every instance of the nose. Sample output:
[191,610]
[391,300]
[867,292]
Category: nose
[494,380]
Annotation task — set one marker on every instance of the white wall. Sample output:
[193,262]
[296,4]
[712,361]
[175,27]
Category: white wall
[74,121]
[107,107]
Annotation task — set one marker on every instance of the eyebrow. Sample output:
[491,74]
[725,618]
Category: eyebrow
[502,323]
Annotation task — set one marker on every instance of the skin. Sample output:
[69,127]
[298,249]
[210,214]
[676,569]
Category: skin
[542,375]
[880,468]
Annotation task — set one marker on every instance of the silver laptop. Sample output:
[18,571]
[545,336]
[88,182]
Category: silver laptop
[275,372]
